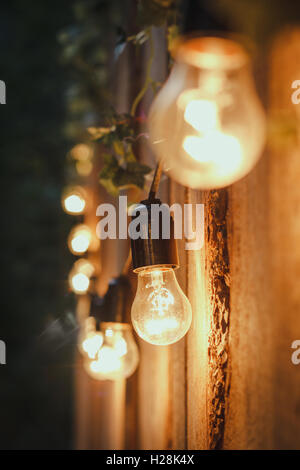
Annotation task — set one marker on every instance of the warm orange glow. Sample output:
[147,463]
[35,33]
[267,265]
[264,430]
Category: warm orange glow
[74,204]
[81,152]
[202,115]
[84,168]
[74,200]
[161,313]
[108,361]
[90,339]
[221,150]
[84,266]
[118,357]
[206,123]
[80,239]
[159,326]
[79,283]
[79,277]
[92,343]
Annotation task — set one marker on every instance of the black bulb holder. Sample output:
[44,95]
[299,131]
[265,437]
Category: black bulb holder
[150,252]
[112,306]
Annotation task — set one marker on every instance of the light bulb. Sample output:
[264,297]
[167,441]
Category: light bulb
[90,340]
[74,200]
[84,266]
[80,239]
[81,152]
[118,357]
[80,274]
[79,283]
[161,313]
[206,123]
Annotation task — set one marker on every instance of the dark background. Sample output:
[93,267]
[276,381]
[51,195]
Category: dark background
[36,383]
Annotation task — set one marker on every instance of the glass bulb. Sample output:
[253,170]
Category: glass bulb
[79,283]
[81,152]
[90,340]
[80,239]
[80,274]
[118,357]
[207,123]
[161,313]
[74,200]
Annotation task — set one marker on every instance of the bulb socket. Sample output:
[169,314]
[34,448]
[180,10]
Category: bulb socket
[111,307]
[149,251]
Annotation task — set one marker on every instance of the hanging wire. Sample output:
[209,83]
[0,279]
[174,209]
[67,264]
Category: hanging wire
[155,182]
[127,264]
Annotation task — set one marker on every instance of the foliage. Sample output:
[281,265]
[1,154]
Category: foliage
[87,50]
[121,168]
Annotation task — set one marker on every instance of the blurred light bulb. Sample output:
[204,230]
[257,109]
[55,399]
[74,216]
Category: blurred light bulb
[90,340]
[206,123]
[80,239]
[161,313]
[74,204]
[84,266]
[84,168]
[74,200]
[81,152]
[79,277]
[79,283]
[118,357]
[92,344]
[202,115]
[108,362]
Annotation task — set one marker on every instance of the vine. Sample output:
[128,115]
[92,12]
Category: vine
[119,134]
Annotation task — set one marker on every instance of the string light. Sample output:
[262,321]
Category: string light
[161,313]
[118,356]
[79,283]
[79,277]
[206,123]
[81,152]
[90,340]
[74,201]
[80,239]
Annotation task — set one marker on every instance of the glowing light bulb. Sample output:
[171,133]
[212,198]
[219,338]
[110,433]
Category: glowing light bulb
[80,274]
[118,357]
[90,340]
[92,344]
[80,239]
[80,283]
[81,152]
[108,362]
[161,313]
[84,266]
[206,123]
[74,200]
[84,168]
[202,115]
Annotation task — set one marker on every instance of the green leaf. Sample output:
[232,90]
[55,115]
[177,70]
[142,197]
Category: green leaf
[153,13]
[110,187]
[110,168]
[138,168]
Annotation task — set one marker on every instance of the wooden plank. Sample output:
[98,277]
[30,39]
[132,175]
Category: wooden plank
[153,390]
[197,344]
[284,213]
[248,421]
[178,382]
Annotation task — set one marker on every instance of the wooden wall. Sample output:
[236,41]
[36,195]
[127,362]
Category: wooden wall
[230,382]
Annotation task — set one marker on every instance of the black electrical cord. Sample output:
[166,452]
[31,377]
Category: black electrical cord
[155,182]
